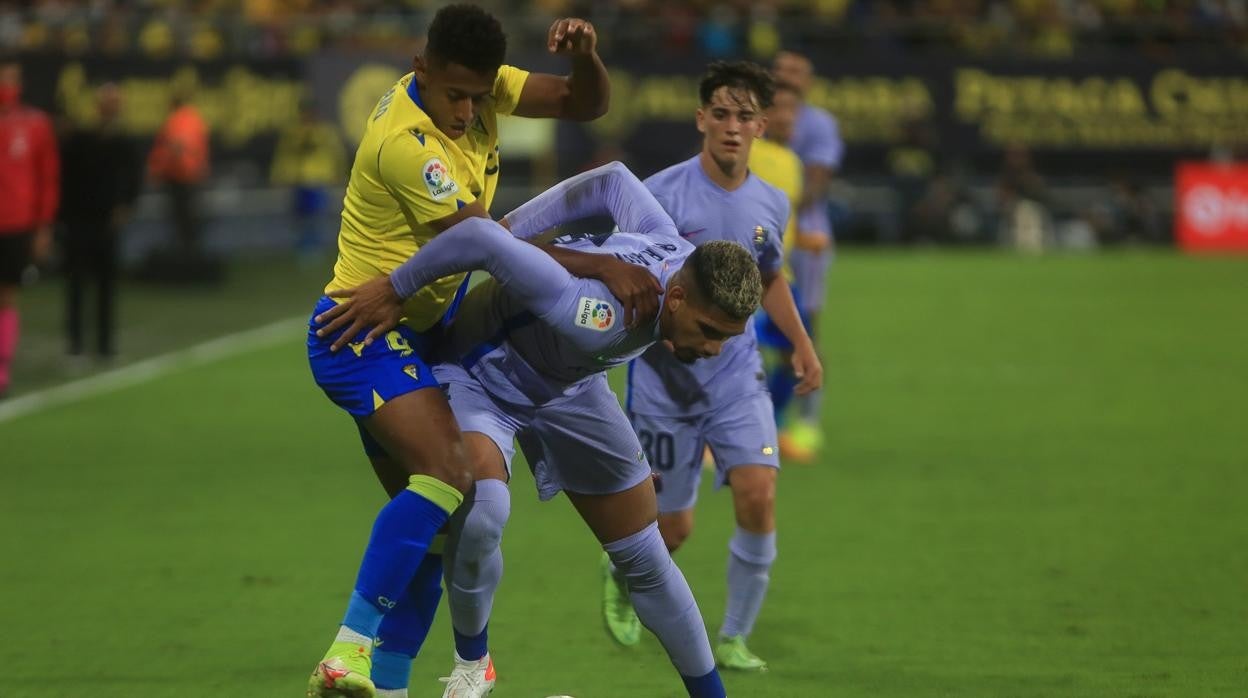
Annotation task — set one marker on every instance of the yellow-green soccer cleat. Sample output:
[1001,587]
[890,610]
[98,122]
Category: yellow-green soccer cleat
[344,673]
[731,653]
[808,435]
[800,443]
[617,610]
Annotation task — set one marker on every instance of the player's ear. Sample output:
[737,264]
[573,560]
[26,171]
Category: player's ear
[700,119]
[675,297]
[762,125]
[420,67]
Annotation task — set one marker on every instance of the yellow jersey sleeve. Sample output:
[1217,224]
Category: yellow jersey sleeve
[796,175]
[507,88]
[422,177]
[780,167]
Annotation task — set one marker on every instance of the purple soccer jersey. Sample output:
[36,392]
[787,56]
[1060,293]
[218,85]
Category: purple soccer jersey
[535,332]
[817,141]
[753,215]
[527,357]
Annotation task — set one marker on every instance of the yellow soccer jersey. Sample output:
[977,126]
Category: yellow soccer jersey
[408,173]
[780,167]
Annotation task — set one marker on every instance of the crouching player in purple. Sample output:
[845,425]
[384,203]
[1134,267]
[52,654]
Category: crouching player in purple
[679,408]
[531,350]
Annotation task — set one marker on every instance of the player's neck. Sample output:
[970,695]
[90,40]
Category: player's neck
[728,179]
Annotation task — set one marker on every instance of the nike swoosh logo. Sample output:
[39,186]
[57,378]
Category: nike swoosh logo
[692,232]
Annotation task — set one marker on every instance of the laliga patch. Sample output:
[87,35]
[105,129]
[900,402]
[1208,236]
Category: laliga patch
[438,180]
[595,313]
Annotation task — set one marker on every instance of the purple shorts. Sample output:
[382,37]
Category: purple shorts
[810,275]
[582,444]
[739,433]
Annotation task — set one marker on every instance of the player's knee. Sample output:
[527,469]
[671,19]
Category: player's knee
[675,530]
[756,504]
[642,560]
[759,502]
[491,507]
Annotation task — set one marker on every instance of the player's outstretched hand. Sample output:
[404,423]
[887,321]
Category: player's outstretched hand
[41,246]
[637,289]
[570,35]
[372,306]
[812,242]
[807,368]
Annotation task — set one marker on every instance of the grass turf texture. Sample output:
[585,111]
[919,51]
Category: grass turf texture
[1034,486]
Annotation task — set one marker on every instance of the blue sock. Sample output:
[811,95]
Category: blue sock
[405,628]
[472,647]
[705,686]
[401,536]
[781,382]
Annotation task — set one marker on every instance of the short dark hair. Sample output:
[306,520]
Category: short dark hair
[469,36]
[727,277]
[738,75]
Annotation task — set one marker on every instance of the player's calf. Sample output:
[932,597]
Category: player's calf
[666,606]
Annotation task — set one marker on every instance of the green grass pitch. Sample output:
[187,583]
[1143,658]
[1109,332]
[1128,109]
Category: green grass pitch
[1036,484]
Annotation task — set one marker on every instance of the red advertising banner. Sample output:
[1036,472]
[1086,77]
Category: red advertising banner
[1211,210]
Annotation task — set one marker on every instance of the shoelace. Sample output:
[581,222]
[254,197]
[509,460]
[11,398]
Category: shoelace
[464,678]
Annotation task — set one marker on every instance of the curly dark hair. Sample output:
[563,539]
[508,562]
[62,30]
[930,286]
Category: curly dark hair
[469,36]
[727,277]
[738,75]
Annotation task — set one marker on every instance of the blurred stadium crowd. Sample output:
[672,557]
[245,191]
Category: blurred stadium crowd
[714,28]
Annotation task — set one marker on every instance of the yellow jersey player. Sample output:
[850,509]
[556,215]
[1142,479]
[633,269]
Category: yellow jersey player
[777,164]
[772,159]
[428,159]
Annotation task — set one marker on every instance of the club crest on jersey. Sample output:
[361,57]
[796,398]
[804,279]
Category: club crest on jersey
[594,313]
[438,180]
[413,371]
[760,236]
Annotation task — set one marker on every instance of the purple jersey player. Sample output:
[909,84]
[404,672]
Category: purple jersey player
[526,356]
[817,141]
[678,409]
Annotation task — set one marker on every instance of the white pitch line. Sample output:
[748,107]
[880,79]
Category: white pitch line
[153,368]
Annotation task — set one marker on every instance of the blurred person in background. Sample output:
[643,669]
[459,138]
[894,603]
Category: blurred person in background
[29,194]
[1023,218]
[103,172]
[1127,216]
[911,168]
[678,407]
[775,163]
[310,159]
[179,162]
[817,141]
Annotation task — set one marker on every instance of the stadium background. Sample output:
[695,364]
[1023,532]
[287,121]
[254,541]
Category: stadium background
[1035,478]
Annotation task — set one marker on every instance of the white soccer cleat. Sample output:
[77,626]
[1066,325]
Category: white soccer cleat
[473,679]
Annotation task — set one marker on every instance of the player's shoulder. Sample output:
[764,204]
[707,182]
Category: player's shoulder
[410,145]
[773,195]
[510,77]
[822,116]
[667,176]
[33,115]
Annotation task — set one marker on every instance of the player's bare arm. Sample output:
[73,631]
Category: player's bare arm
[585,93]
[782,309]
[374,304]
